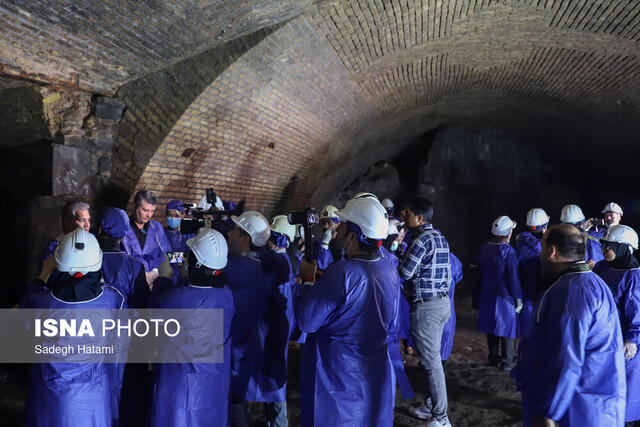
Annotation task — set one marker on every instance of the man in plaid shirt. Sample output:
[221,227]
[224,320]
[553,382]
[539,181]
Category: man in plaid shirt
[427,273]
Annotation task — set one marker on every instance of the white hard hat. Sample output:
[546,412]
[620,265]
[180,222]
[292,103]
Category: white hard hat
[537,217]
[387,203]
[368,214]
[256,225]
[622,234]
[329,212]
[394,226]
[365,195]
[571,214]
[79,252]
[210,248]
[280,224]
[502,226]
[206,205]
[612,207]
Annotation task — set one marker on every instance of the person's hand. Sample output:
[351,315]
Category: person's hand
[630,350]
[326,237]
[591,263]
[543,422]
[519,305]
[308,270]
[586,225]
[151,276]
[47,268]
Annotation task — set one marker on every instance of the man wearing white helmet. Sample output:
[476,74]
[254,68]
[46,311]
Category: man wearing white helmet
[346,377]
[426,269]
[528,246]
[72,393]
[176,384]
[620,270]
[275,327]
[612,216]
[244,271]
[500,294]
[325,249]
[572,214]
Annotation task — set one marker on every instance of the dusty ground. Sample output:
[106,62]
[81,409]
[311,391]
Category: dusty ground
[479,395]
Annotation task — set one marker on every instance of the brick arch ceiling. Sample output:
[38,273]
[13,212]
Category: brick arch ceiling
[331,92]
[338,85]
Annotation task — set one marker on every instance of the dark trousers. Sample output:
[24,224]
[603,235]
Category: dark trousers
[508,355]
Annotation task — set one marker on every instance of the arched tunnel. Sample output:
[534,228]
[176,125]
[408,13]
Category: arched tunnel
[486,107]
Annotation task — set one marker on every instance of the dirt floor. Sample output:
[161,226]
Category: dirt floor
[479,395]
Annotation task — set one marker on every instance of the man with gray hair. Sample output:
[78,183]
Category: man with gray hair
[145,239]
[74,215]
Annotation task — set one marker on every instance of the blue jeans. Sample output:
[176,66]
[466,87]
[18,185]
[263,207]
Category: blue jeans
[427,321]
[275,413]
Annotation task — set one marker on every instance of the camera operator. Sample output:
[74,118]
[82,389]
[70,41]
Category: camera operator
[174,213]
[325,249]
[612,216]
[346,376]
[572,214]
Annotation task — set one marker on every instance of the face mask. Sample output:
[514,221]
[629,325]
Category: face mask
[345,248]
[173,223]
[394,246]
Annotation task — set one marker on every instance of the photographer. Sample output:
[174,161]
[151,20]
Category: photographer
[325,249]
[612,216]
[572,214]
[174,213]
[346,376]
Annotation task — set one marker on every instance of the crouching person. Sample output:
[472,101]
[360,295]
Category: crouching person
[346,376]
[196,394]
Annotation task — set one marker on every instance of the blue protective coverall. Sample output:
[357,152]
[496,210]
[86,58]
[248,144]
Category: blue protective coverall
[528,248]
[70,394]
[155,245]
[126,274]
[625,287]
[594,248]
[50,249]
[274,327]
[393,340]
[346,375]
[571,365]
[499,288]
[244,272]
[194,394]
[178,243]
[450,327]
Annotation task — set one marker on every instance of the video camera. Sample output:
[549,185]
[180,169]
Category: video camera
[307,218]
[200,220]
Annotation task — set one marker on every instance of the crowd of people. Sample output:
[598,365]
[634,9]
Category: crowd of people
[381,281]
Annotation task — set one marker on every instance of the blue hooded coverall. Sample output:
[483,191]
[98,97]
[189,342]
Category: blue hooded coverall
[70,394]
[194,394]
[625,287]
[571,365]
[499,288]
[346,375]
[450,327]
[155,245]
[528,248]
